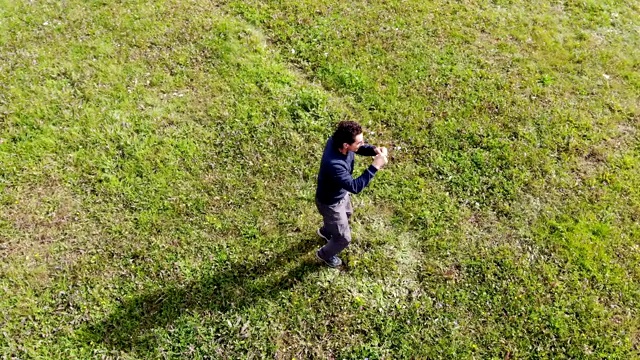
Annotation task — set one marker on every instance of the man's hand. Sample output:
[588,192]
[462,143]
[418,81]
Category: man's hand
[380,160]
[381,150]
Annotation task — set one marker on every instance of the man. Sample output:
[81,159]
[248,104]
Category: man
[335,182]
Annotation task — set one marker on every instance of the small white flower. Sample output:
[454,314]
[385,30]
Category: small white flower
[45,23]
[606,76]
[293,51]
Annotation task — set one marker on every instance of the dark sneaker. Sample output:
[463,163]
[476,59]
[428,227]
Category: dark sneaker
[333,262]
[326,237]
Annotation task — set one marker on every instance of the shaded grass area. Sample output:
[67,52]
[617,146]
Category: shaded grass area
[157,167]
[236,288]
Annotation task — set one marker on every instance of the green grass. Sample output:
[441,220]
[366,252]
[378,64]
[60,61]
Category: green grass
[158,163]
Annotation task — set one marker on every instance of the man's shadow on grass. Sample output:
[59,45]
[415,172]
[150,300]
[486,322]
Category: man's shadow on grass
[130,326]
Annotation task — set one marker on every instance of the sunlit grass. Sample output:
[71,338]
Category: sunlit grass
[158,163]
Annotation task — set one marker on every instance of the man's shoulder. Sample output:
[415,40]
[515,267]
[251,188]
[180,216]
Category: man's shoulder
[331,155]
[335,161]
[333,165]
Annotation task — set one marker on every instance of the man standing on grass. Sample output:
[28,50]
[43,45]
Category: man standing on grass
[335,182]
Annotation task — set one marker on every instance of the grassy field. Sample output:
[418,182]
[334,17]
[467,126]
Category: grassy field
[158,163]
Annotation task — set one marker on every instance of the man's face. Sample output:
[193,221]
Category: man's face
[356,144]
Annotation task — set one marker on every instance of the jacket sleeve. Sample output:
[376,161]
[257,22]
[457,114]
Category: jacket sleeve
[342,177]
[366,150]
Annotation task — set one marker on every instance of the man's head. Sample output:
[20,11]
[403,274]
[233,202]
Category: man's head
[348,136]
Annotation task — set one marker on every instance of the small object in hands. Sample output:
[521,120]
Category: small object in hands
[379,161]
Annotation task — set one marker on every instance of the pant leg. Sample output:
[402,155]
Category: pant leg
[348,209]
[336,224]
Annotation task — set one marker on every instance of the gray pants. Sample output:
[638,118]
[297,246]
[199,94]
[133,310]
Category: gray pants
[336,224]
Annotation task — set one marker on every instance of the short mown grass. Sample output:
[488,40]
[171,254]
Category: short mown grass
[158,163]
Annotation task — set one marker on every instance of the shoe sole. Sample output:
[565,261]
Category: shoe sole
[325,262]
[322,236]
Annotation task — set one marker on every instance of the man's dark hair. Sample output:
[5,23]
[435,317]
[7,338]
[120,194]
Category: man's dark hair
[346,133]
